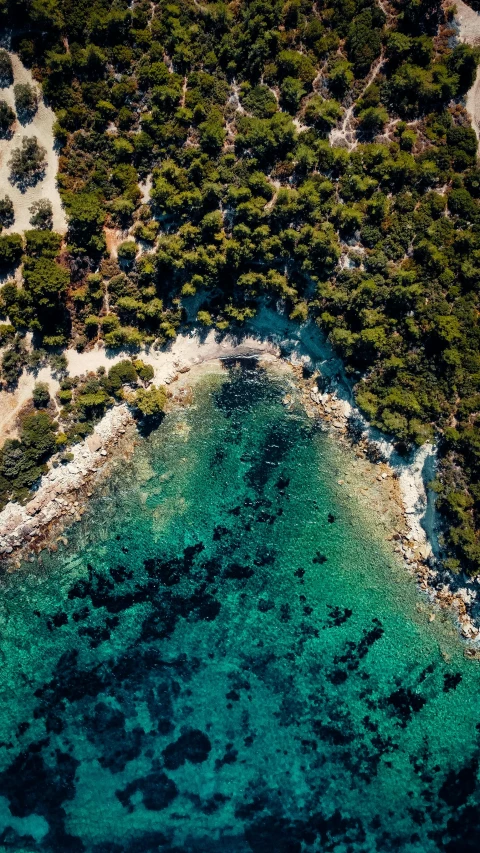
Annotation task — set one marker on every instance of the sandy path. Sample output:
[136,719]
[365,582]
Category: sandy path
[345,136]
[186,351]
[41,126]
[11,402]
[468,22]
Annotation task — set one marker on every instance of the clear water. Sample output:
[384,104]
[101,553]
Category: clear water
[226,657]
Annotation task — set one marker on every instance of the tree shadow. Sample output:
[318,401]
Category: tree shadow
[6,134]
[25,116]
[26,181]
[149,423]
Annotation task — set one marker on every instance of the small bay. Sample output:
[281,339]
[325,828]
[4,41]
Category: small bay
[228,656]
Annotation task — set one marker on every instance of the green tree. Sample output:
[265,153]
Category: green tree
[41,214]
[150,402]
[28,163]
[373,120]
[41,395]
[6,69]
[7,117]
[7,214]
[26,100]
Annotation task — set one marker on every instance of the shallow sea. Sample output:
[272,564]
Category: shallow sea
[228,657]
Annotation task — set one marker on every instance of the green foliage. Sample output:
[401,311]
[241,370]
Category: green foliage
[150,402]
[145,372]
[12,365]
[123,373]
[41,214]
[364,39]
[41,395]
[260,101]
[27,164]
[212,133]
[86,217]
[22,461]
[7,215]
[7,117]
[373,120]
[340,77]
[26,100]
[11,247]
[127,251]
[6,70]
[322,114]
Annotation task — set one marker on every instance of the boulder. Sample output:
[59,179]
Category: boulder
[94,442]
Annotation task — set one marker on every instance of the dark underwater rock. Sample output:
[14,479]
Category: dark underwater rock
[193,745]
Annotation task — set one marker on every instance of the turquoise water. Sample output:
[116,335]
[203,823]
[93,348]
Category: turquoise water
[226,657]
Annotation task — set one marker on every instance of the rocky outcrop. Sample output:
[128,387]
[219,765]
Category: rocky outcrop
[58,493]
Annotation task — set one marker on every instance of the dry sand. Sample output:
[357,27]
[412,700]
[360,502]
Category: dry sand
[41,126]
[12,402]
[186,351]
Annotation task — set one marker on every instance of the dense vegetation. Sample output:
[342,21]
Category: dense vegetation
[23,460]
[229,109]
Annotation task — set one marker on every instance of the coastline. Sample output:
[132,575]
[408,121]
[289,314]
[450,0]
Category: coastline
[60,497]
[57,501]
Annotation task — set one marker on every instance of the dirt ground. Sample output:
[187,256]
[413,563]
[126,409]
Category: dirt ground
[469,31]
[40,126]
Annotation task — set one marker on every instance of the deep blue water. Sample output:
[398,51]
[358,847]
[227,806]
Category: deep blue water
[227,657]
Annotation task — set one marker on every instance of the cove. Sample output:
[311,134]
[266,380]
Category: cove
[228,657]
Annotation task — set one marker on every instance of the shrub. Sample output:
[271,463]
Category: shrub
[127,251]
[150,402]
[22,461]
[12,366]
[41,395]
[373,119]
[323,114]
[292,91]
[120,374]
[260,102]
[145,371]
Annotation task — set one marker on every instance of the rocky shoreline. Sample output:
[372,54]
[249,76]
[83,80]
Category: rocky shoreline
[60,498]
[411,541]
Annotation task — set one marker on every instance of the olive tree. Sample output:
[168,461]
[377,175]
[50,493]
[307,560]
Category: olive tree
[6,70]
[28,163]
[41,214]
[26,100]
[7,215]
[7,117]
